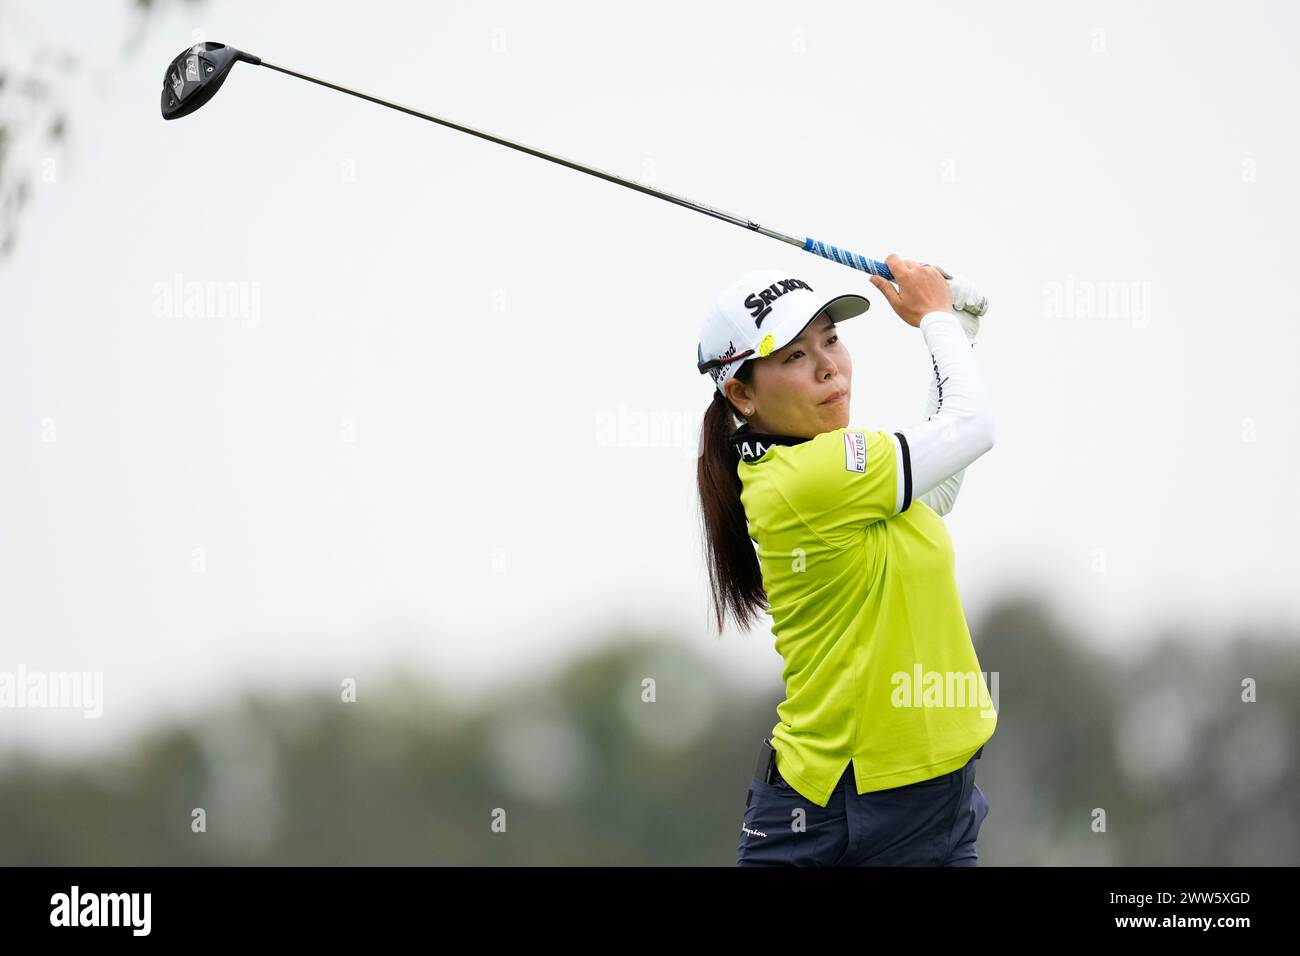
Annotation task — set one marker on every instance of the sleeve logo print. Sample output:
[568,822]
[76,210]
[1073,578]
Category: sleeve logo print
[855,452]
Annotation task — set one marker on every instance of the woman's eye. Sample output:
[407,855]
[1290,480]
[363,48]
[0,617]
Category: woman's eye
[832,340]
[794,354]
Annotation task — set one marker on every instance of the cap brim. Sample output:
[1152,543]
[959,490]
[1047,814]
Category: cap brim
[839,308]
[844,307]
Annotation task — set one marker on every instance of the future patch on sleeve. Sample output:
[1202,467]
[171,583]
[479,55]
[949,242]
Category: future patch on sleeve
[855,452]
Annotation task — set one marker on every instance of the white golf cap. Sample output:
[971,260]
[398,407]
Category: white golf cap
[761,312]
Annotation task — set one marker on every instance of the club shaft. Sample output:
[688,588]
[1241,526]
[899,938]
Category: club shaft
[837,254]
[571,164]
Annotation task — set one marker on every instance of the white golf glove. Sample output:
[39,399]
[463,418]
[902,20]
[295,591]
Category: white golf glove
[964,296]
[964,293]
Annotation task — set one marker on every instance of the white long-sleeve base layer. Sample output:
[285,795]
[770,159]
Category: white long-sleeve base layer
[934,454]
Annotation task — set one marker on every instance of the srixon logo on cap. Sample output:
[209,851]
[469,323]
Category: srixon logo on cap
[760,303]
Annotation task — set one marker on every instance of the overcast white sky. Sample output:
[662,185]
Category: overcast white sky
[398,451]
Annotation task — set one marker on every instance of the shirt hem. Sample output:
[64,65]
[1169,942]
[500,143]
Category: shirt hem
[903,778]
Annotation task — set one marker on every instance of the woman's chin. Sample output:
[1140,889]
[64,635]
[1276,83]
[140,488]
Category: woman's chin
[835,416]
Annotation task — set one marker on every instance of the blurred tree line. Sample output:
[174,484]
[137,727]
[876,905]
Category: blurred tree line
[588,771]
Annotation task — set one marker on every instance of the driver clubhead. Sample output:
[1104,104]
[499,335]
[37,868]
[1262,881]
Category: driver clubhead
[194,77]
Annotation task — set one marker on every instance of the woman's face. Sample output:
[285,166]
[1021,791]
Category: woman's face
[801,389]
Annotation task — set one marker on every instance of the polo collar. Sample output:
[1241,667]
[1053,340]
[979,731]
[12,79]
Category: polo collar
[751,445]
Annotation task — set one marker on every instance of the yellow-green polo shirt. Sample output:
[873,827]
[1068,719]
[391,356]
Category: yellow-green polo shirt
[879,667]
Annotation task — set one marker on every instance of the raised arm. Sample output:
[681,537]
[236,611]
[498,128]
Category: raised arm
[942,497]
[961,429]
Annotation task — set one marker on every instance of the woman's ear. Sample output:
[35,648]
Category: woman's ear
[738,394]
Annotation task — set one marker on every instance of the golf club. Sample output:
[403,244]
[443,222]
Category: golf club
[194,77]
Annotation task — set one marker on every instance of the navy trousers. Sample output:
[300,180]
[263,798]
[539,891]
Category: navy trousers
[931,823]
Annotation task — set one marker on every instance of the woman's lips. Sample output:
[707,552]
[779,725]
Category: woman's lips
[837,400]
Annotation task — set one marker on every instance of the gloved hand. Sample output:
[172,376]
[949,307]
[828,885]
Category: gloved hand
[967,301]
[965,295]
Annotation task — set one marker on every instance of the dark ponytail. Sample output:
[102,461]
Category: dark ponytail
[734,574]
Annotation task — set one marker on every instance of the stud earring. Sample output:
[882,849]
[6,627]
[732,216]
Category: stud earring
[749,411]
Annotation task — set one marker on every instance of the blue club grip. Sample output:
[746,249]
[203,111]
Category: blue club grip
[846,258]
[876,268]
